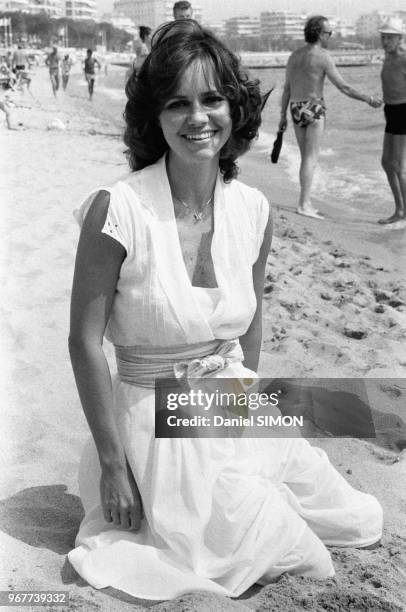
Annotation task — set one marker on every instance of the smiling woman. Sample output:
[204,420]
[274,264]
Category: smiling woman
[170,267]
[218,74]
[196,121]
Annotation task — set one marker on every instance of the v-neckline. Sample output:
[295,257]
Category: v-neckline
[216,204]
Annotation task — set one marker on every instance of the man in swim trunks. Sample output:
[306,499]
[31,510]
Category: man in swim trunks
[19,59]
[90,74]
[304,113]
[394,95]
[306,71]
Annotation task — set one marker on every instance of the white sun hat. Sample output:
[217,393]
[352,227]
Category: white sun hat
[393,25]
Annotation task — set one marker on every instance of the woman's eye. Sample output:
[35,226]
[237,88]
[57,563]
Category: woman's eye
[213,99]
[176,104]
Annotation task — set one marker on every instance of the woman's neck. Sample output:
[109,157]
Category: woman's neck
[192,183]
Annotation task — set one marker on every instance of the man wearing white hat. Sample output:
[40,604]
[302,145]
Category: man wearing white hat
[394,95]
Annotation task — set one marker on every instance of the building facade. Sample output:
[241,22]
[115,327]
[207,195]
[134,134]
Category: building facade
[367,25]
[80,9]
[242,26]
[14,5]
[278,25]
[53,8]
[150,13]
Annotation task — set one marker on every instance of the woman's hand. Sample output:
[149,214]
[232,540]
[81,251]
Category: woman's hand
[120,498]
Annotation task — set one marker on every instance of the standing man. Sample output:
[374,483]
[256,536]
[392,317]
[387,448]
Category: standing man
[144,47]
[52,61]
[394,96]
[182,10]
[90,74]
[305,75]
[19,60]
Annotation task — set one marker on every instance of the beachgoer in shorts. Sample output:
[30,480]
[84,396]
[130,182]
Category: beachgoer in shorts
[19,60]
[53,60]
[90,75]
[394,94]
[307,111]
[305,75]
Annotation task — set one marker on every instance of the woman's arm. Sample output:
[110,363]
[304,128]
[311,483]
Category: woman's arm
[98,262]
[251,341]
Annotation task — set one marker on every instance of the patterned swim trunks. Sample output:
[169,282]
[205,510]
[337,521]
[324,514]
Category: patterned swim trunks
[306,112]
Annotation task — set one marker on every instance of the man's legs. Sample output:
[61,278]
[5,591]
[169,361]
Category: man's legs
[394,164]
[90,85]
[54,82]
[4,108]
[309,140]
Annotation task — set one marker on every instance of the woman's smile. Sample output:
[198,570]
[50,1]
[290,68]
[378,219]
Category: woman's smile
[195,120]
[200,137]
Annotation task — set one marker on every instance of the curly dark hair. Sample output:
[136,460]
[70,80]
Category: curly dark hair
[313,28]
[174,47]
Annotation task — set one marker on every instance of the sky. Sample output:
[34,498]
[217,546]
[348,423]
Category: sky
[215,11]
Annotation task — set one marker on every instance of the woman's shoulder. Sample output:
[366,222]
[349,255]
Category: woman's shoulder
[246,196]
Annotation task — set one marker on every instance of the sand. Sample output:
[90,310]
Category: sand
[334,306]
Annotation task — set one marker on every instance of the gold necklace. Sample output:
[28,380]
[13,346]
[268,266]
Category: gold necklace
[197,216]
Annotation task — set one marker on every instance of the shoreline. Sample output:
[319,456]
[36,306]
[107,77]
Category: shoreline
[323,278]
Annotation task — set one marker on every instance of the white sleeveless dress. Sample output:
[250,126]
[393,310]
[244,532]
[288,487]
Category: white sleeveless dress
[220,514]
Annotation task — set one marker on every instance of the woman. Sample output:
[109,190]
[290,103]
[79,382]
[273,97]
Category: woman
[66,66]
[170,265]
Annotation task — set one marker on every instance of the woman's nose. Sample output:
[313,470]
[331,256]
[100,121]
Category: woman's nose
[198,114]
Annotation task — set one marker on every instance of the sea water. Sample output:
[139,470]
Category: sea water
[349,173]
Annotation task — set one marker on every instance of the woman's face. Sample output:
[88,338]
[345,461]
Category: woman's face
[195,120]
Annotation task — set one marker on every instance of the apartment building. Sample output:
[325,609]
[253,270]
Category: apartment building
[81,9]
[150,12]
[242,26]
[275,25]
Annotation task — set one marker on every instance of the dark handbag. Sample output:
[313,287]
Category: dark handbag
[277,146]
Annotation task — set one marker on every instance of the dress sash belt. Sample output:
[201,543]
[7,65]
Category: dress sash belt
[140,366]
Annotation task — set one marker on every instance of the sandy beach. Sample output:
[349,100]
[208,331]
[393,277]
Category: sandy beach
[334,307]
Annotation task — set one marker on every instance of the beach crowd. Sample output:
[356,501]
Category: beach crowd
[306,71]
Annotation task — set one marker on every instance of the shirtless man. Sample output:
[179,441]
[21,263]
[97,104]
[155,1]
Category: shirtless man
[90,74]
[394,95]
[305,75]
[19,59]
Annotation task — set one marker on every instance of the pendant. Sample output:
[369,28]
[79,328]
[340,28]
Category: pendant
[198,216]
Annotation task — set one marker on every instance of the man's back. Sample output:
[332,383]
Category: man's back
[306,72]
[19,57]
